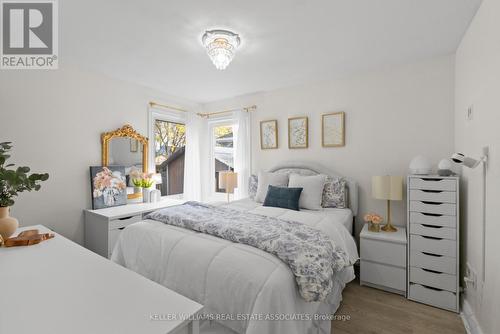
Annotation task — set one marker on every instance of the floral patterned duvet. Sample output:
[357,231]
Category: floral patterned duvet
[310,254]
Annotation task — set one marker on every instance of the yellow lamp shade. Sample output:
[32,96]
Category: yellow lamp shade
[228,180]
[387,187]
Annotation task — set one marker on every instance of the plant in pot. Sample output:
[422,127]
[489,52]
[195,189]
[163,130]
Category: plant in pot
[13,180]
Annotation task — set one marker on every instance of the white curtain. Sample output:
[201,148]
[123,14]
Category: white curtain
[195,136]
[242,155]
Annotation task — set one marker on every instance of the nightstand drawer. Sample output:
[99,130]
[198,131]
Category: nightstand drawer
[435,246]
[431,207]
[434,231]
[383,252]
[436,297]
[124,221]
[434,262]
[433,196]
[383,275]
[434,279]
[433,184]
[433,219]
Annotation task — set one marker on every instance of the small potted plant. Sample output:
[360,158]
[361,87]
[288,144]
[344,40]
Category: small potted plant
[12,182]
[373,220]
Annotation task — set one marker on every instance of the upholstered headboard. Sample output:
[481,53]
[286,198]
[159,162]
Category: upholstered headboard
[311,168]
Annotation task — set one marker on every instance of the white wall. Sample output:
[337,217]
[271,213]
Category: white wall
[478,84]
[392,115]
[55,119]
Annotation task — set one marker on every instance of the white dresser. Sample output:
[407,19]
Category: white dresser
[383,260]
[103,226]
[433,236]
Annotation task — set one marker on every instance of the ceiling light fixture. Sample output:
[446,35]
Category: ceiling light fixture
[221,46]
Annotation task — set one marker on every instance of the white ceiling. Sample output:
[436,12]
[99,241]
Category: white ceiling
[288,42]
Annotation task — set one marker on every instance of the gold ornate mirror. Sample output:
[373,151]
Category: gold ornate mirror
[125,147]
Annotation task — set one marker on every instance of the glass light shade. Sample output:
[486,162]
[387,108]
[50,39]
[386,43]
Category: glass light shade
[221,46]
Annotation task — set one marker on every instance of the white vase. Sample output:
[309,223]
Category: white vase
[108,197]
[146,192]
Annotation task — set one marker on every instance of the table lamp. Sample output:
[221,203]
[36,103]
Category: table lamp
[228,180]
[389,188]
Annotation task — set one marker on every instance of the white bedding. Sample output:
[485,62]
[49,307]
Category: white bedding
[232,279]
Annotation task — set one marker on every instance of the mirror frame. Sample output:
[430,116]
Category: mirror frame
[126,131]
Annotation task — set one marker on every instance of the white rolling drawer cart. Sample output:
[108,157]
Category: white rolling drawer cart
[383,260]
[433,241]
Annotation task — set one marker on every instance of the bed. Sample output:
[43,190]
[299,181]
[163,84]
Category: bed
[243,289]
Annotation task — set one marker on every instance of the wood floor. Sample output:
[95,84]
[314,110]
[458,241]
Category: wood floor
[378,312]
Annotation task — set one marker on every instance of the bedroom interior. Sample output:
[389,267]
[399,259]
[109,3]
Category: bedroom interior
[277,166]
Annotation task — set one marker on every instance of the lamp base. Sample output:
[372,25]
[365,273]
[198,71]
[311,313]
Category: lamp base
[389,228]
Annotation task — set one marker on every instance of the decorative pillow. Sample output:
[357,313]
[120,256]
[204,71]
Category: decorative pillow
[253,182]
[283,197]
[335,193]
[312,189]
[265,180]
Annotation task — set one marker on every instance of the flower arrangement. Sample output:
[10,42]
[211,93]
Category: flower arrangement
[142,180]
[108,184]
[373,221]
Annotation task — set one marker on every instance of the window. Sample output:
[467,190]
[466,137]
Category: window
[222,157]
[169,151]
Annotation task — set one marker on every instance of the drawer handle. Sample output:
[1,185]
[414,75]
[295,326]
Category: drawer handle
[433,238]
[435,180]
[431,226]
[126,218]
[430,254]
[431,214]
[121,228]
[432,191]
[432,271]
[430,287]
[431,203]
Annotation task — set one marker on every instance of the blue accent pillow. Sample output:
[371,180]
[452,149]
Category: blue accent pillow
[283,197]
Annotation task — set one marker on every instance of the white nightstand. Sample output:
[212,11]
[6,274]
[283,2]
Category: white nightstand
[383,260]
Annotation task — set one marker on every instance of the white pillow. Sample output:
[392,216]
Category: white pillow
[312,190]
[265,180]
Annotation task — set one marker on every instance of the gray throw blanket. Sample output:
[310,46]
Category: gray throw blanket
[308,252]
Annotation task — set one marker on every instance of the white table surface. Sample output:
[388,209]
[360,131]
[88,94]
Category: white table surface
[123,210]
[397,237]
[58,286]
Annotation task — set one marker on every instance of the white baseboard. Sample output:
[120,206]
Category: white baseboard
[469,319]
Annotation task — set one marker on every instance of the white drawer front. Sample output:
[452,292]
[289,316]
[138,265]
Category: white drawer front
[434,231]
[436,208]
[433,262]
[383,252]
[443,299]
[433,196]
[433,184]
[380,274]
[112,239]
[433,279]
[435,246]
[433,219]
[124,221]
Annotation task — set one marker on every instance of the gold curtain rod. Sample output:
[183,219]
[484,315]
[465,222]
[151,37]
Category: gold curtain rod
[203,114]
[213,113]
[164,106]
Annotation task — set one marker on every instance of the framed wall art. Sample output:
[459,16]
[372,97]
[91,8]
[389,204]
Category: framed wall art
[268,134]
[298,136]
[332,129]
